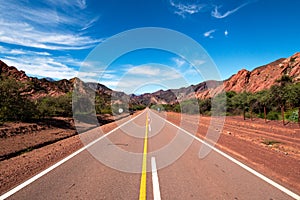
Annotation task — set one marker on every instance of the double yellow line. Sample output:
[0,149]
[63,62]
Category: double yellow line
[144,167]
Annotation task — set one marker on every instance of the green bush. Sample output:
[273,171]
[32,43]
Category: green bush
[106,111]
[14,103]
[292,115]
[273,115]
[138,107]
[159,107]
[190,106]
[207,113]
[55,106]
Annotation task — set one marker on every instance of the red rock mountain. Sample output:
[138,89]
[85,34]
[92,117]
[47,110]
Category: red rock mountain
[260,78]
[40,87]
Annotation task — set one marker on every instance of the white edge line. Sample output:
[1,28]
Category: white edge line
[39,175]
[155,182]
[249,169]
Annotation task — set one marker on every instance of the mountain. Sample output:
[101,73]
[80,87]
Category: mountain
[172,96]
[45,87]
[49,79]
[260,78]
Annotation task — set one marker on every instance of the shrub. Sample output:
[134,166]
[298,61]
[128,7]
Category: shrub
[106,111]
[292,116]
[273,115]
[14,104]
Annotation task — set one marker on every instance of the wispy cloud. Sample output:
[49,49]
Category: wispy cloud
[182,8]
[215,13]
[90,24]
[53,25]
[44,64]
[41,66]
[14,52]
[198,62]
[179,62]
[144,71]
[81,4]
[209,33]
[134,77]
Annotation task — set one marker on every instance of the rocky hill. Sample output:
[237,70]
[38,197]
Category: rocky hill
[251,81]
[48,87]
[260,78]
[172,96]
[38,87]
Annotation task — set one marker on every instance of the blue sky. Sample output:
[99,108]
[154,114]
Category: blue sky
[52,38]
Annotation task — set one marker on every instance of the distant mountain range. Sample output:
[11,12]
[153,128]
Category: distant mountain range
[260,78]
[251,81]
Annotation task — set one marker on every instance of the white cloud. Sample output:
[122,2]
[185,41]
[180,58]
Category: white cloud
[215,13]
[50,25]
[43,53]
[198,62]
[144,71]
[179,62]
[109,84]
[135,77]
[40,64]
[10,33]
[41,67]
[90,24]
[209,33]
[81,4]
[17,52]
[182,9]
[67,3]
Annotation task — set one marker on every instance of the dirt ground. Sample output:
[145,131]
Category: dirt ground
[270,148]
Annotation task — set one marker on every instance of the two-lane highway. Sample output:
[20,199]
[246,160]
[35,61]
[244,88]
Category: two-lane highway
[148,158]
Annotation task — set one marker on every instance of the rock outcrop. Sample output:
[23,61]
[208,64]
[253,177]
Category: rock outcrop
[265,76]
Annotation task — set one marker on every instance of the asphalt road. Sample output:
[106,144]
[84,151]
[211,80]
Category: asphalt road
[122,165]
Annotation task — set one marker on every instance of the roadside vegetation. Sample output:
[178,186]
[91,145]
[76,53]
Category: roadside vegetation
[280,102]
[17,105]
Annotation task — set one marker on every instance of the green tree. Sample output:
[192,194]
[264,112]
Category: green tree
[293,97]
[204,105]
[251,102]
[280,93]
[263,100]
[219,104]
[190,106]
[239,101]
[14,104]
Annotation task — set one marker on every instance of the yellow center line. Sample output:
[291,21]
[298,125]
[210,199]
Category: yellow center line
[144,167]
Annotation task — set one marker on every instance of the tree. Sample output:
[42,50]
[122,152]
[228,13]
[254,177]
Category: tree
[263,100]
[14,104]
[64,105]
[240,101]
[219,104]
[251,101]
[204,105]
[293,97]
[280,93]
